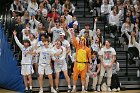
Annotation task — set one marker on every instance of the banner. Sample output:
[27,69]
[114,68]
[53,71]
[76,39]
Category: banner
[10,77]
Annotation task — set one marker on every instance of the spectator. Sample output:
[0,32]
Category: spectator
[107,57]
[74,18]
[24,3]
[111,2]
[75,29]
[127,26]
[68,17]
[42,9]
[33,42]
[137,6]
[137,26]
[39,14]
[63,23]
[56,31]
[32,7]
[105,10]
[95,5]
[96,44]
[57,6]
[114,21]
[115,83]
[87,28]
[93,70]
[129,14]
[25,18]
[69,6]
[13,21]
[45,66]
[34,24]
[137,45]
[18,27]
[47,5]
[138,14]
[26,33]
[47,21]
[53,14]
[59,55]
[26,62]
[83,56]
[129,3]
[88,38]
[66,44]
[120,7]
[97,33]
[17,7]
[132,50]
[40,31]
[43,37]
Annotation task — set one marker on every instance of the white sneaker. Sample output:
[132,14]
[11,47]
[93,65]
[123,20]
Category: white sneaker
[91,11]
[114,89]
[69,90]
[118,89]
[109,90]
[111,35]
[40,91]
[84,91]
[73,90]
[53,91]
[98,88]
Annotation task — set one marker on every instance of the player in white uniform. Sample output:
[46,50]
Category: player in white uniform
[45,65]
[65,43]
[26,62]
[59,55]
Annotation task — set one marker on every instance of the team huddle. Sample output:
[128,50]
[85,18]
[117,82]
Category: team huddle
[87,63]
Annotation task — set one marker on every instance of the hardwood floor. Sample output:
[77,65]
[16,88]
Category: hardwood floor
[127,91]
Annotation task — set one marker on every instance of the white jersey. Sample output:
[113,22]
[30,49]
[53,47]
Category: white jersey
[62,56]
[26,58]
[61,65]
[56,32]
[65,44]
[45,55]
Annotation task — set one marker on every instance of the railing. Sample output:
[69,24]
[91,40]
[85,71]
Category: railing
[125,59]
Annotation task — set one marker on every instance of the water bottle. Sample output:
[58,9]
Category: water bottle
[138,73]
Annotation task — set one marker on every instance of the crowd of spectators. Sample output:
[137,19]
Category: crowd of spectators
[54,22]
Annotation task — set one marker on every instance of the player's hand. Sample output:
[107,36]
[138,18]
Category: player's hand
[14,33]
[104,65]
[110,65]
[94,74]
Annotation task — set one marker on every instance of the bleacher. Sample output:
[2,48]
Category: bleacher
[127,74]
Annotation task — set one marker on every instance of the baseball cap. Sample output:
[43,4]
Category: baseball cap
[61,33]
[75,23]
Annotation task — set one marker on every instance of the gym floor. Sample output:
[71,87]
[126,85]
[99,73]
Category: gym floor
[127,91]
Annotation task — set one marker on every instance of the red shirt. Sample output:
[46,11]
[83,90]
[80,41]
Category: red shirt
[56,16]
